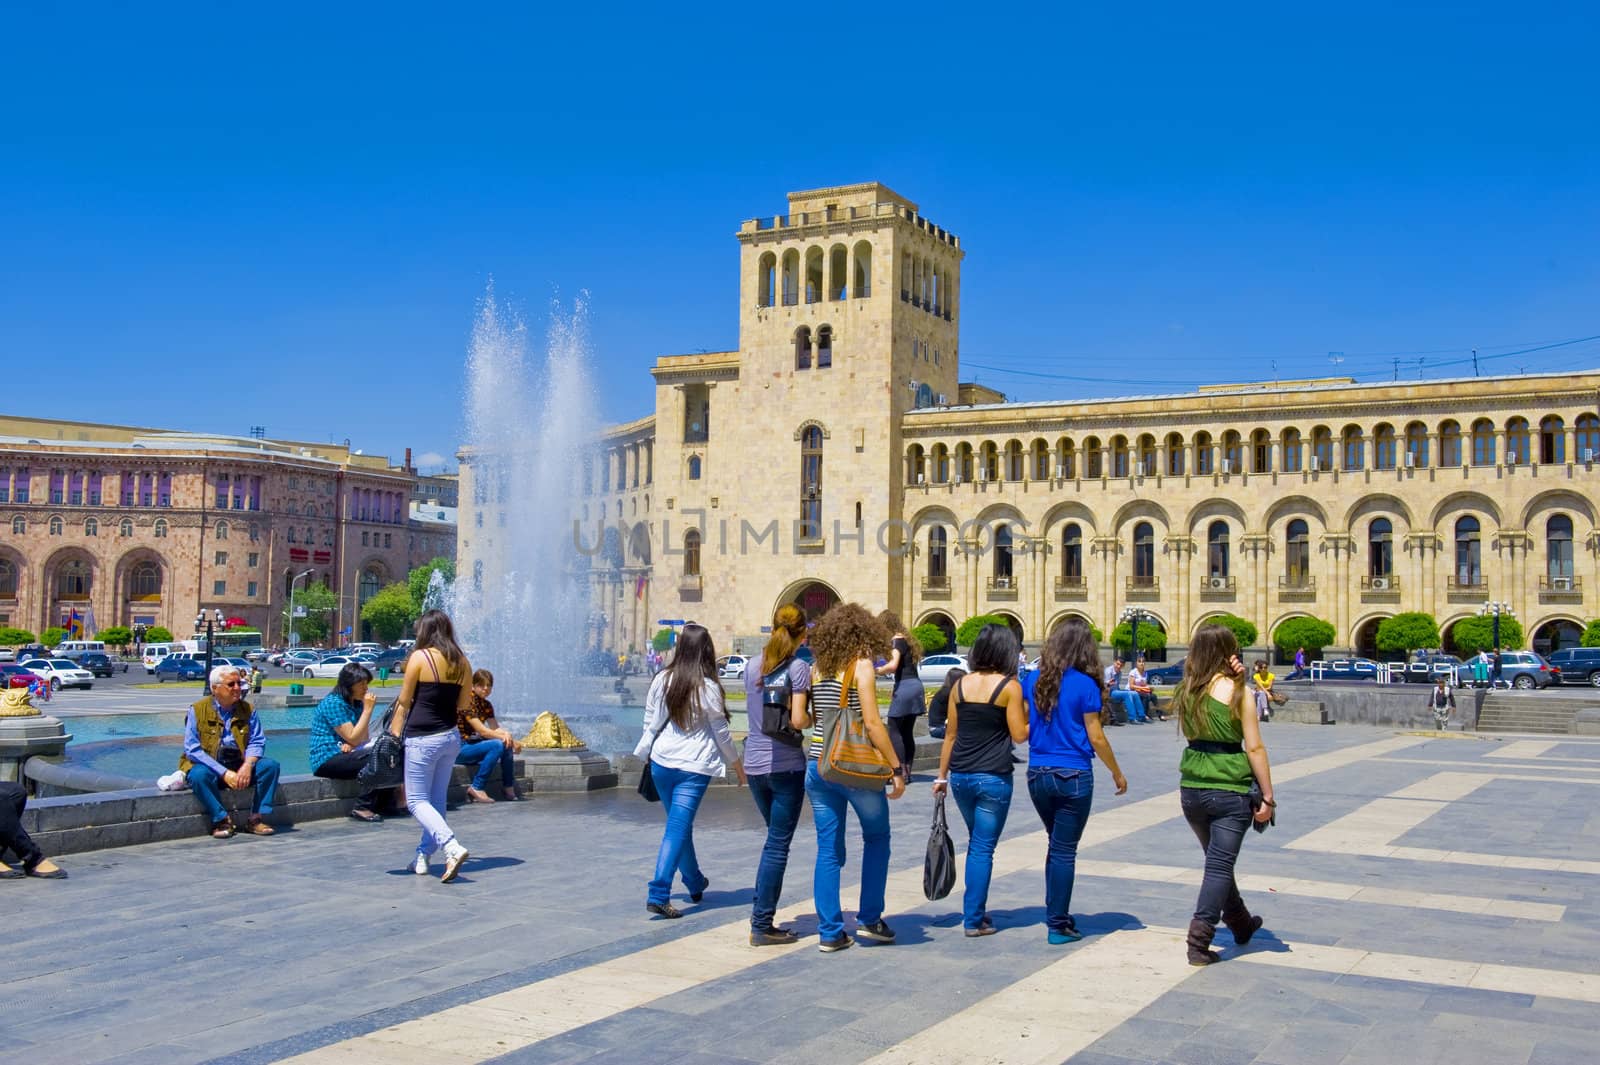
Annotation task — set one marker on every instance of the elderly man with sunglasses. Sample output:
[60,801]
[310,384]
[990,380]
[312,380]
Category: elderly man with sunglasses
[223,747]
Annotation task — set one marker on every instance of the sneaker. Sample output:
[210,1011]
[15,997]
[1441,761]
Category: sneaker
[420,866]
[773,937]
[829,946]
[696,896]
[454,855]
[878,932]
[985,928]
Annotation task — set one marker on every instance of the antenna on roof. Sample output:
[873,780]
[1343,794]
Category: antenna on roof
[259,432]
[1474,362]
[1336,357]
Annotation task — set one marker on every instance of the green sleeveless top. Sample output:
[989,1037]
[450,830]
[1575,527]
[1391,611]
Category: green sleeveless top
[1221,772]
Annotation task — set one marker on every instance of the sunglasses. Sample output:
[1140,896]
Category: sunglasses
[232,684]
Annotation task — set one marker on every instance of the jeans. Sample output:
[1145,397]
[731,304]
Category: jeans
[429,760]
[208,788]
[486,754]
[1131,700]
[828,802]
[681,792]
[778,796]
[347,765]
[984,799]
[13,837]
[1063,798]
[1220,820]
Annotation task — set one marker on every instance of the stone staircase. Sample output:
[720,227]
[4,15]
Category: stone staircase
[1547,712]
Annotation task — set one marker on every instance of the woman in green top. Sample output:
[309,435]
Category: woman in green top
[1224,757]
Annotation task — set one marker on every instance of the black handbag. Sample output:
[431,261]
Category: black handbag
[647,784]
[386,758]
[1256,801]
[939,867]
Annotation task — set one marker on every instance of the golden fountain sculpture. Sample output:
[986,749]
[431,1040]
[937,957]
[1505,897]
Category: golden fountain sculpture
[14,703]
[549,732]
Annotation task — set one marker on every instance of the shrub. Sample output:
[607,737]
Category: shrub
[1243,631]
[53,636]
[10,637]
[931,638]
[1311,633]
[1471,635]
[661,640]
[1151,637]
[115,635]
[389,612]
[158,634]
[1591,635]
[967,631]
[1405,633]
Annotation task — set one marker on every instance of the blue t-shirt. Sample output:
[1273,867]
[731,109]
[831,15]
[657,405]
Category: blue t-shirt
[331,712]
[1062,742]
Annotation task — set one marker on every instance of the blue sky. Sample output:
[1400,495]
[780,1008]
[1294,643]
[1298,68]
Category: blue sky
[300,205]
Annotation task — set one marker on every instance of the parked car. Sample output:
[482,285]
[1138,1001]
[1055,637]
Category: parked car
[1423,668]
[328,667]
[177,667]
[15,676]
[155,652]
[394,660]
[1520,669]
[297,661]
[7,655]
[1166,673]
[731,667]
[242,664]
[32,650]
[1578,665]
[257,654]
[933,668]
[60,672]
[101,664]
[1350,669]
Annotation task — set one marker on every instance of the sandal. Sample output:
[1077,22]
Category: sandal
[258,827]
[55,872]
[223,829]
[8,873]
[474,795]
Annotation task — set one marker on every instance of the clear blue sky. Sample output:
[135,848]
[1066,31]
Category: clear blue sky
[301,204]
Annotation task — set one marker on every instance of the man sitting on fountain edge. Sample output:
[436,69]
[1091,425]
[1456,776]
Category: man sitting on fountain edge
[224,747]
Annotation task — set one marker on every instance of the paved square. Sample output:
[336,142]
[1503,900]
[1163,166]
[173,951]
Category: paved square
[1426,899]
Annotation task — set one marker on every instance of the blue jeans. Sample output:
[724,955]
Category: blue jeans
[486,754]
[1219,820]
[1131,700]
[208,788]
[681,792]
[1063,798]
[828,802]
[778,796]
[429,760]
[984,800]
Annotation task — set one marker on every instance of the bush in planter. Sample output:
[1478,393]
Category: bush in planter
[1590,638]
[119,636]
[1407,632]
[53,636]
[10,637]
[1151,638]
[931,638]
[967,631]
[1471,635]
[1294,633]
[1243,631]
[158,634]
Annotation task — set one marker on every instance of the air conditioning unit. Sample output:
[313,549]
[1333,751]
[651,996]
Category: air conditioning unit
[1379,584]
[1588,454]
[1227,466]
[1411,460]
[956,479]
[922,478]
[1511,458]
[1061,473]
[1316,464]
[1002,582]
[944,400]
[1219,582]
[1563,584]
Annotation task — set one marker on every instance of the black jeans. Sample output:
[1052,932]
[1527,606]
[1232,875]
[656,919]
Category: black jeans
[902,733]
[347,765]
[13,837]
[1219,819]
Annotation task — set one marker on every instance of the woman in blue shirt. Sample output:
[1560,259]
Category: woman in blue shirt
[1064,734]
[340,732]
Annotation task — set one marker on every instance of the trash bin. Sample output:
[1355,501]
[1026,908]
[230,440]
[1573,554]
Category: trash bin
[383,674]
[297,689]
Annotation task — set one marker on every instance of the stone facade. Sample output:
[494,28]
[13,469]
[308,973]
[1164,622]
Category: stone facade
[834,455]
[147,526]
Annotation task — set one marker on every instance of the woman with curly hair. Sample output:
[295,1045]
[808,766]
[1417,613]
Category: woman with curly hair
[1065,695]
[846,641]
[906,704]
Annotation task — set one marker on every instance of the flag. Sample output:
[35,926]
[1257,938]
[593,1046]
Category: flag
[89,625]
[639,587]
[74,625]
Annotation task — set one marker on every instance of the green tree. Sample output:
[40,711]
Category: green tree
[1472,635]
[10,637]
[1151,638]
[318,602]
[1311,633]
[1405,633]
[1243,631]
[417,580]
[931,638]
[968,630]
[53,635]
[115,635]
[158,634]
[661,641]
[389,612]
[1590,638]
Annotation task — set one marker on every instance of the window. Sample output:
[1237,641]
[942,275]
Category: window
[253,559]
[146,581]
[91,527]
[1558,547]
[1232,453]
[1119,456]
[1383,448]
[8,579]
[1322,448]
[1552,440]
[1041,460]
[1144,553]
[327,534]
[1297,555]
[813,275]
[1217,549]
[294,537]
[1353,448]
[811,483]
[1066,459]
[964,462]
[1002,554]
[1380,548]
[824,347]
[19,526]
[57,487]
[250,589]
[125,528]
[1014,463]
[1293,451]
[802,348]
[222,530]
[5,485]
[838,271]
[694,467]
[221,558]
[767,280]
[365,538]
[1483,442]
[73,580]
[24,482]
[388,539]
[938,555]
[94,489]
[55,526]
[1517,441]
[862,281]
[1174,455]
[219,587]
[691,553]
[161,529]
[1072,552]
[1261,451]
[1469,563]
[791,277]
[988,461]
[1094,457]
[1417,445]
[255,532]
[1450,443]
[372,580]
[1204,460]
[1587,428]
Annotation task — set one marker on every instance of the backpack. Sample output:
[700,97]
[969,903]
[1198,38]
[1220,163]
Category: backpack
[776,692]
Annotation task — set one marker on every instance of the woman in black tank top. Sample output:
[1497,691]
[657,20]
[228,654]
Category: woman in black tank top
[434,691]
[988,713]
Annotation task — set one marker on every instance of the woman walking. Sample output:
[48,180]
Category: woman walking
[845,642]
[687,741]
[1224,757]
[776,687]
[987,715]
[435,690]
[1064,734]
[907,703]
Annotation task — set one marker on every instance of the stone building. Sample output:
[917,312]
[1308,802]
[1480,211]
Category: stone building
[146,526]
[835,455]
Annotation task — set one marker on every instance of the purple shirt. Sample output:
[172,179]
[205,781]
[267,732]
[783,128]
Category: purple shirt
[762,753]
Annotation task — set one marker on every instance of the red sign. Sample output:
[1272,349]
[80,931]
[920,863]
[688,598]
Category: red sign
[298,554]
[322,556]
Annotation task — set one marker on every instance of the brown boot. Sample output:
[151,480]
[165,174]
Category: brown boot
[1199,940]
[1239,922]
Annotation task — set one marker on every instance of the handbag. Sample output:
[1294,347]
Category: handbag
[849,757]
[1256,800]
[939,867]
[386,759]
[647,784]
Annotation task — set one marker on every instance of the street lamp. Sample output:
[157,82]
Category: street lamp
[208,622]
[292,641]
[1493,609]
[1133,615]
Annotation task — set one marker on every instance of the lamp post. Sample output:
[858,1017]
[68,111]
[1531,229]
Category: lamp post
[292,641]
[208,621]
[1493,609]
[1133,615]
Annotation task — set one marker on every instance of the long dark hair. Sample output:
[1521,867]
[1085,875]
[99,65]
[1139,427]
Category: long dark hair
[435,632]
[995,651]
[352,674]
[788,632]
[694,661]
[1070,646]
[892,624]
[1210,651]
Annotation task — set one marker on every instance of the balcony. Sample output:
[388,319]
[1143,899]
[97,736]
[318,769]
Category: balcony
[1003,588]
[1381,588]
[1217,588]
[1560,589]
[1068,588]
[690,587]
[1144,589]
[1297,588]
[936,587]
[1466,588]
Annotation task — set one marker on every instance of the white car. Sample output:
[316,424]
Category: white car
[932,669]
[328,667]
[731,667]
[60,672]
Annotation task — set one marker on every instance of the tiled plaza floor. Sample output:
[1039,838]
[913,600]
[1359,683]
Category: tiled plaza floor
[1426,900]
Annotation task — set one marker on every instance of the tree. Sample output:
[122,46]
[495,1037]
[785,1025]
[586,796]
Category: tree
[1151,638]
[115,635]
[1405,633]
[661,641]
[1294,633]
[1243,631]
[158,634]
[1471,635]
[417,580]
[10,637]
[968,630]
[931,638]
[318,601]
[53,636]
[1590,638]
[389,612]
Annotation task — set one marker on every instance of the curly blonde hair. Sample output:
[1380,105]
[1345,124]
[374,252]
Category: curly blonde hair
[844,634]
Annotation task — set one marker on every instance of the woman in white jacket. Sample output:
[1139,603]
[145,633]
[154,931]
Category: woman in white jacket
[687,741]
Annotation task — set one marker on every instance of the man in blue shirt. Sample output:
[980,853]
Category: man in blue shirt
[224,747]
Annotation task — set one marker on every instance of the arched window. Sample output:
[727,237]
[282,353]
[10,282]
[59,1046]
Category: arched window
[1144,553]
[19,525]
[1072,553]
[1380,548]
[146,581]
[791,277]
[938,557]
[1297,555]
[1217,549]
[125,527]
[964,462]
[1041,461]
[222,530]
[691,553]
[861,286]
[1067,458]
[1146,456]
[989,461]
[811,483]
[73,580]
[1232,453]
[1518,449]
[372,580]
[694,467]
[1552,440]
[1383,448]
[767,280]
[1261,451]
[91,527]
[1450,443]
[55,526]
[160,530]
[802,348]
[1204,460]
[8,579]
[1321,448]
[1417,445]
[824,347]
[1469,560]
[1175,463]
[1293,451]
[1483,442]
[294,537]
[1353,449]
[1587,428]
[1002,555]
[916,465]
[813,275]
[941,464]
[1119,456]
[1093,458]
[838,272]
[1558,548]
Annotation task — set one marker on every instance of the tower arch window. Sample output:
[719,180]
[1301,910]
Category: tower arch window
[691,553]
[1322,448]
[1204,461]
[1297,554]
[1093,458]
[1383,447]
[1217,543]
[1469,559]
[1417,445]
[811,482]
[938,556]
[838,272]
[160,529]
[1144,553]
[1261,451]
[222,530]
[791,277]
[91,527]
[1354,448]
[824,347]
[1002,554]
[1380,548]
[146,581]
[861,279]
[1517,443]
[1587,428]
[694,467]
[1450,443]
[1483,442]
[1072,552]
[1558,547]
[1175,463]
[767,280]
[1293,451]
[814,280]
[802,348]
[1552,440]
